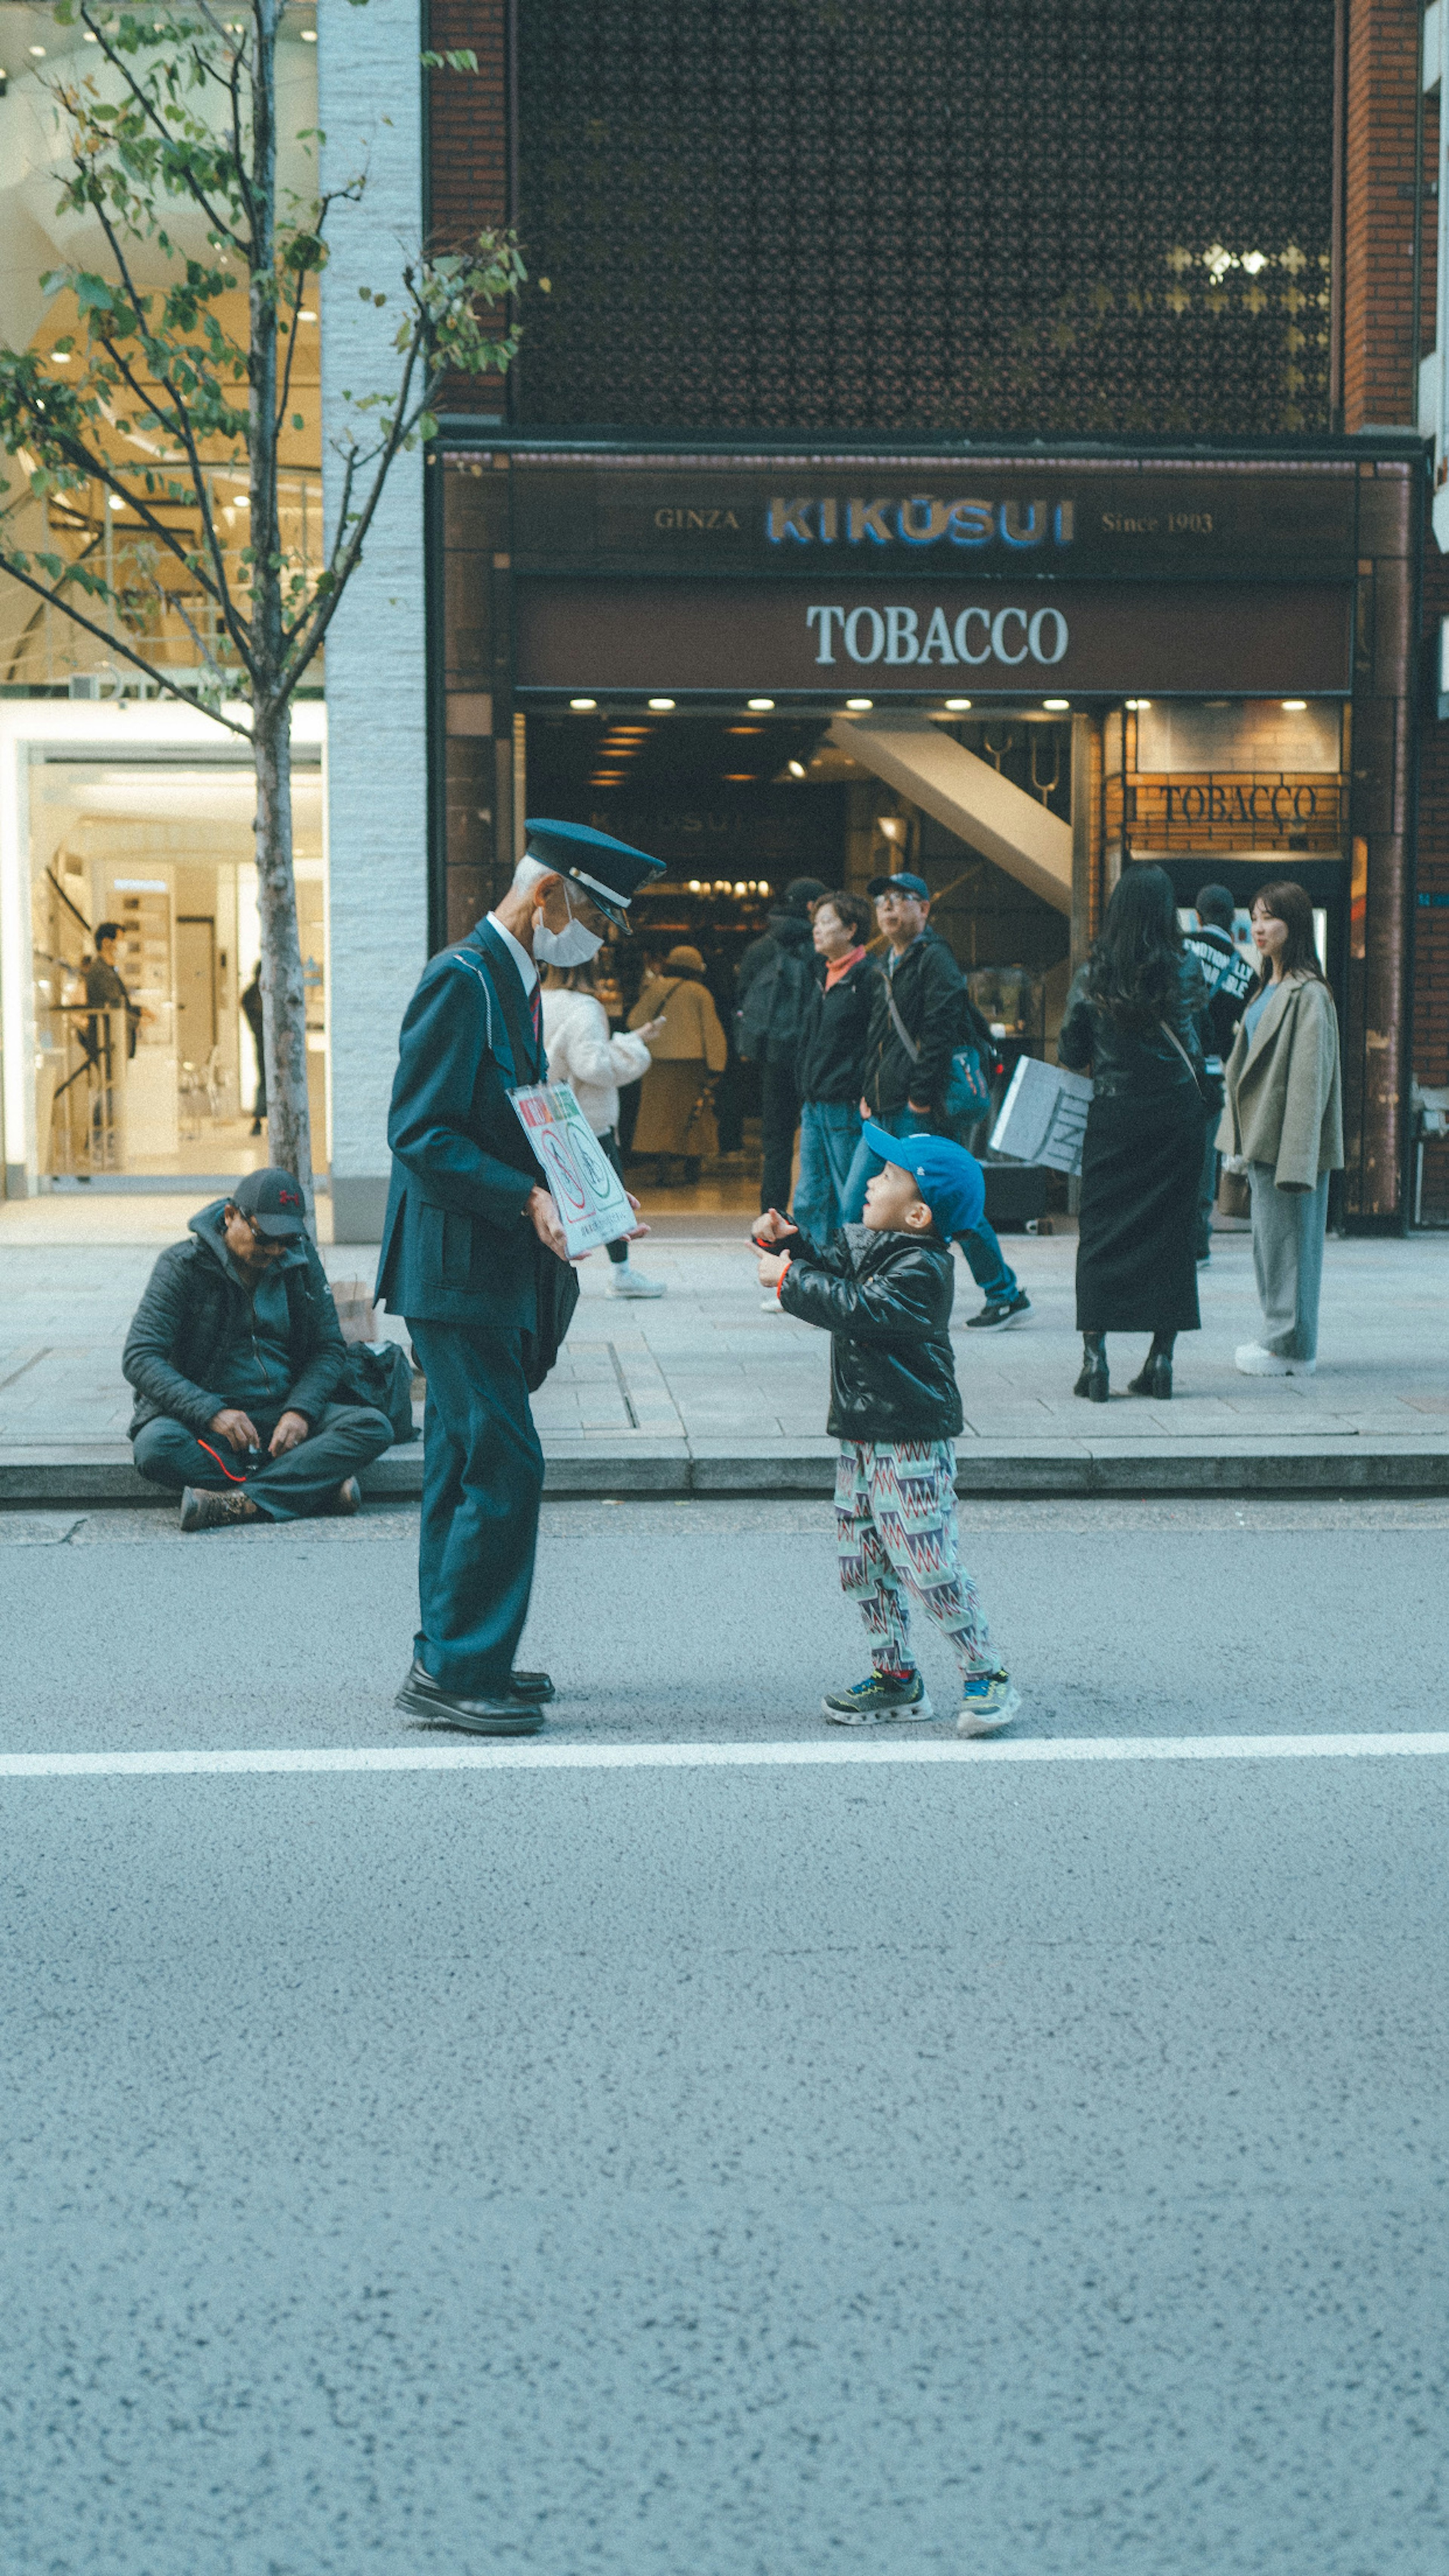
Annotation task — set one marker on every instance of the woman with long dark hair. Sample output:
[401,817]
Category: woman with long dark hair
[1132,1021]
[1283,1124]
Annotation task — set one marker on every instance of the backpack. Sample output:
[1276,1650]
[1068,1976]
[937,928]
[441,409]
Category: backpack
[772,1010]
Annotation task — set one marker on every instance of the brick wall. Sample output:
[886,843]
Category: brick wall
[468,150]
[1431,916]
[1383,71]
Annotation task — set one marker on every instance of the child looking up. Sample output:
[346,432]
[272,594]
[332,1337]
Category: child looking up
[883,1292]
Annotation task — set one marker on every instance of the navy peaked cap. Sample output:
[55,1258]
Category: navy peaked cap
[608,870]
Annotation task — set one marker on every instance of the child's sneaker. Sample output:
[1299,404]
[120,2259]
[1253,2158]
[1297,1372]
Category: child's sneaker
[879,1700]
[988,1701]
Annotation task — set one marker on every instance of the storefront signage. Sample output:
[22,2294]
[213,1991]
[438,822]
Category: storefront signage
[973,521]
[975,635]
[1110,639]
[1196,812]
[923,520]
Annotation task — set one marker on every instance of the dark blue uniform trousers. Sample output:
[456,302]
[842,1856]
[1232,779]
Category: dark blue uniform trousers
[482,1484]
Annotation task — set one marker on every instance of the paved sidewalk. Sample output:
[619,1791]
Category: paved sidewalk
[701,1390]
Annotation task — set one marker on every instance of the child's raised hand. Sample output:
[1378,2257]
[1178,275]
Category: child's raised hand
[773,1266]
[771,1227]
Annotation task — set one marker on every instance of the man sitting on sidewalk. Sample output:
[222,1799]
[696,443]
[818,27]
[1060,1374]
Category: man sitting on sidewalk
[234,1352]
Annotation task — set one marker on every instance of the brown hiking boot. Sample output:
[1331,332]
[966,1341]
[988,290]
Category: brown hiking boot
[202,1508]
[346,1501]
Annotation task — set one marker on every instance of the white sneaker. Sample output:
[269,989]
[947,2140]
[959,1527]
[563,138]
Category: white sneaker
[1254,1361]
[629,1282]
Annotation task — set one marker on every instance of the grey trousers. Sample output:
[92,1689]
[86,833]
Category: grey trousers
[1288,1231]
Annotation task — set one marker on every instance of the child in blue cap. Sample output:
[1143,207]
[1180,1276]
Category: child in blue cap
[883,1291]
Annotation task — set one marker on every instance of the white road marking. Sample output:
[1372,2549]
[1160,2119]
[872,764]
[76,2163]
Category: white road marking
[527,1756]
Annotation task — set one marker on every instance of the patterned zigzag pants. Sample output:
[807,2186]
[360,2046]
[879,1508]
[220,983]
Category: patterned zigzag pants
[895,1507]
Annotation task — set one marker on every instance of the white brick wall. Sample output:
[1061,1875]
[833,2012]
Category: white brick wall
[377,769]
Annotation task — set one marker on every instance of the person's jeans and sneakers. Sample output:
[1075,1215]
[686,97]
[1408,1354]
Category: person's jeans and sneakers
[1006,1300]
[829,1137]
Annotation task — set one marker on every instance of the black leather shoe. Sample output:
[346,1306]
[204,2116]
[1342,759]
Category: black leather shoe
[421,1696]
[1153,1379]
[1093,1382]
[537,1686]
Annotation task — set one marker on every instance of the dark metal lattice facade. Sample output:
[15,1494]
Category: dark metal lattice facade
[955,217]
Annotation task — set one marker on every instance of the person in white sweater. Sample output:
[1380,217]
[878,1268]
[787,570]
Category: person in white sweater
[582,1053]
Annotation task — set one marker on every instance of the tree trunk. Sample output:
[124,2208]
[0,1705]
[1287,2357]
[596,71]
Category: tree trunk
[284,998]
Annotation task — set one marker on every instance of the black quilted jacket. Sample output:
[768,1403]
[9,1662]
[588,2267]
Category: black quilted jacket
[195,1305]
[885,1301]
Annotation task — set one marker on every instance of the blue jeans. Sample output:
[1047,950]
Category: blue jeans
[829,1135]
[985,1259]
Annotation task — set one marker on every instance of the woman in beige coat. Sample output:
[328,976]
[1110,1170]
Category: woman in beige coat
[1283,1125]
[676,1102]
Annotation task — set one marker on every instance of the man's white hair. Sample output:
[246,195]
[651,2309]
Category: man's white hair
[527,873]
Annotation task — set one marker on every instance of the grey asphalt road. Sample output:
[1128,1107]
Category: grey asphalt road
[705,1619]
[730,2172]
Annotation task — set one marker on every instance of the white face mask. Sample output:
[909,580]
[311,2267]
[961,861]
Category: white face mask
[571,947]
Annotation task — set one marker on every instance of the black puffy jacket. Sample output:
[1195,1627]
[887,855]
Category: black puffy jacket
[196,1304]
[885,1301]
[831,1061]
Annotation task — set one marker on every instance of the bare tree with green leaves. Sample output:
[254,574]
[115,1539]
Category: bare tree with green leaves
[171,136]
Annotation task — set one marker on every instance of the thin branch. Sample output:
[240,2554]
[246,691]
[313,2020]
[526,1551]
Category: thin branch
[181,425]
[219,587]
[153,117]
[113,643]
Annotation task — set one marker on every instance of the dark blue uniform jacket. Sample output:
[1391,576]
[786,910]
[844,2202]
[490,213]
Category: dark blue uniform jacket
[456,1244]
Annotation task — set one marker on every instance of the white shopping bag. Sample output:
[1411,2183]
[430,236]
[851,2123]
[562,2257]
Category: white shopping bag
[587,1191]
[1043,1115]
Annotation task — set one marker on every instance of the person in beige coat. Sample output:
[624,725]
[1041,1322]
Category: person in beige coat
[676,1102]
[1283,1125]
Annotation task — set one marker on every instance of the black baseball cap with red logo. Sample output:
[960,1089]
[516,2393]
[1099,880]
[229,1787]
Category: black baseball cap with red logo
[273,1201]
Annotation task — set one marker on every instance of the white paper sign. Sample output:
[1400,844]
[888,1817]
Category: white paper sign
[1043,1115]
[587,1191]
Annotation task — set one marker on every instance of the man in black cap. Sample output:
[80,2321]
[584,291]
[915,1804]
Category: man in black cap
[470,1253]
[235,1352]
[921,1014]
[771,992]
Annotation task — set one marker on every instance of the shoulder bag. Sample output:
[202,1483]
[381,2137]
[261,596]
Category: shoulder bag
[967,1094]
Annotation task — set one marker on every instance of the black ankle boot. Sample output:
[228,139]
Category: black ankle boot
[1155,1376]
[1093,1380]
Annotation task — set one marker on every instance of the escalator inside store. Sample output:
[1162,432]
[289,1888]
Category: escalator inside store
[738,807]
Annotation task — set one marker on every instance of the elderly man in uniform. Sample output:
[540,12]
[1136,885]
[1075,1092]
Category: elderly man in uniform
[469,1226]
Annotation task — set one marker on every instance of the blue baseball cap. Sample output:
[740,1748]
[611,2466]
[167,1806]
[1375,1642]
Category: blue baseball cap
[949,1179]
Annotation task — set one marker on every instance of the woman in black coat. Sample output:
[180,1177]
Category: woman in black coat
[1132,1021]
